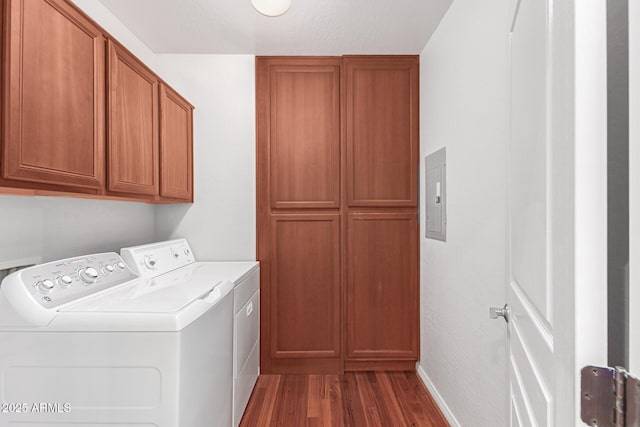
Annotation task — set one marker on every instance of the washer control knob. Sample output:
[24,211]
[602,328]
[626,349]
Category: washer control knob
[187,252]
[89,275]
[150,262]
[119,266]
[107,269]
[64,281]
[45,286]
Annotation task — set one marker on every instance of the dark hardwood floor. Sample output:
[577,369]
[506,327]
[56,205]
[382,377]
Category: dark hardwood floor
[355,399]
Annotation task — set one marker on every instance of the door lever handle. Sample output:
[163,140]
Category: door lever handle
[504,312]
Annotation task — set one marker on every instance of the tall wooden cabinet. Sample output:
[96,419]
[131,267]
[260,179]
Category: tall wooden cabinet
[299,235]
[337,174]
[382,142]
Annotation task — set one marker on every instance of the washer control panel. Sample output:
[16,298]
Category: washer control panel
[60,282]
[158,258]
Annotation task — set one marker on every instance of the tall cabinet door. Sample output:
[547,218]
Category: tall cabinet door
[55,54]
[382,131]
[381,109]
[305,284]
[382,295]
[133,124]
[299,238]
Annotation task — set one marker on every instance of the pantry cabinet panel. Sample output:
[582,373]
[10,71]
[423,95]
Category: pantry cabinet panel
[305,135]
[336,212]
[382,285]
[133,125]
[53,106]
[382,133]
[176,145]
[305,286]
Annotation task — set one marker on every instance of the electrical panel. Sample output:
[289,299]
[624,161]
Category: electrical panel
[436,195]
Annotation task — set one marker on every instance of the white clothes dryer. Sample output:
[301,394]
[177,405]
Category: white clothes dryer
[154,259]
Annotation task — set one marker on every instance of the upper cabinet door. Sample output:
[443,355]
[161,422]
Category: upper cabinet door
[133,124]
[304,138]
[382,130]
[176,146]
[54,88]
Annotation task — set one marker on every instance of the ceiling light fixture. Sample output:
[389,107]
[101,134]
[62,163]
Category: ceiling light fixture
[271,7]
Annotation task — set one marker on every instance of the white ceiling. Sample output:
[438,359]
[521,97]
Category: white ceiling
[311,27]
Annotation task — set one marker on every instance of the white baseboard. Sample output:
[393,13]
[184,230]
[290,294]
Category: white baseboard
[437,397]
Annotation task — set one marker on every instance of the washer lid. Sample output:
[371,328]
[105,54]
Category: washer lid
[168,293]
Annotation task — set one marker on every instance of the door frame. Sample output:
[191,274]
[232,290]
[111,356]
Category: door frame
[634,187]
[590,153]
[579,85]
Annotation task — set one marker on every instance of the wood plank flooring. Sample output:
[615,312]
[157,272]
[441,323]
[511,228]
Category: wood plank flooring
[355,399]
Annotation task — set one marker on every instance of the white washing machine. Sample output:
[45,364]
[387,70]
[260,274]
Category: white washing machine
[147,261]
[85,342]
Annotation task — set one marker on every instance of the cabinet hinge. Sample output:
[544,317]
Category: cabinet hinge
[609,397]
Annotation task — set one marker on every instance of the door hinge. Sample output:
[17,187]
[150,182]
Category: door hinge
[609,397]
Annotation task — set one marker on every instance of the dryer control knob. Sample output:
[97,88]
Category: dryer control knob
[45,286]
[119,266]
[88,275]
[107,269]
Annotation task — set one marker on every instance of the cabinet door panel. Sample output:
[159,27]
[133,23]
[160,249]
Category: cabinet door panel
[176,145]
[305,136]
[305,259]
[382,285]
[133,124]
[382,131]
[54,95]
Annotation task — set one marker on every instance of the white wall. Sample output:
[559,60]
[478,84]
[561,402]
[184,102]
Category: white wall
[60,227]
[220,225]
[464,107]
[57,227]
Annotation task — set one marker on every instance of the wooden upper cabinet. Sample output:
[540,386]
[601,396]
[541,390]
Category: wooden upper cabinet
[382,285]
[382,132]
[304,140]
[176,145]
[133,124]
[54,80]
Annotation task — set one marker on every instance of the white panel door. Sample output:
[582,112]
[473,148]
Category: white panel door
[557,230]
[529,292]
